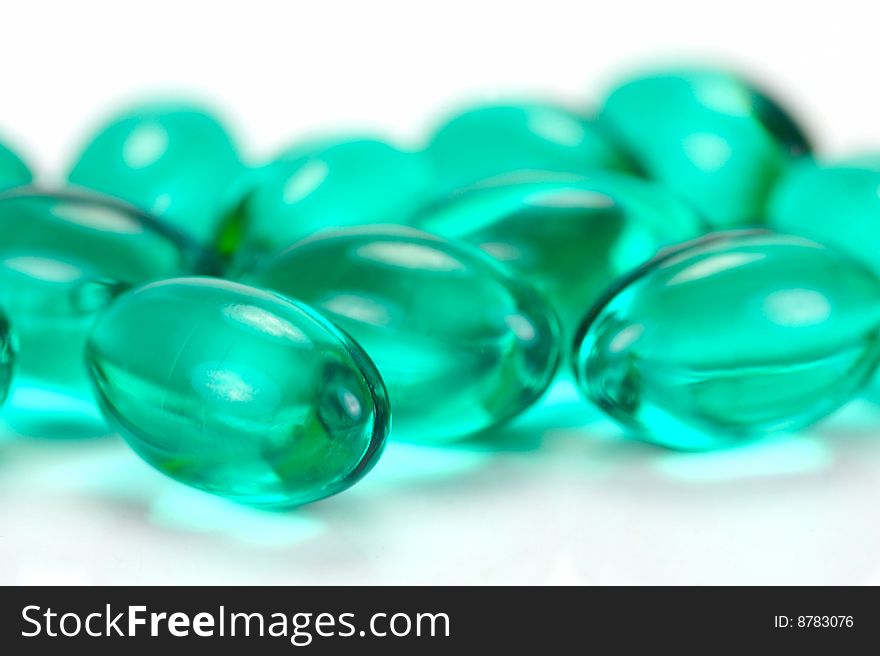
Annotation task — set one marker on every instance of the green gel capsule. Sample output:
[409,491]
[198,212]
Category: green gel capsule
[730,337]
[7,356]
[462,343]
[63,256]
[485,142]
[320,185]
[238,391]
[710,136]
[13,171]
[173,160]
[570,236]
[837,203]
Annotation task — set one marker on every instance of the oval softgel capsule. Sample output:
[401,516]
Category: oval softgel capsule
[570,236]
[709,135]
[484,142]
[834,202]
[729,337]
[63,256]
[173,159]
[238,391]
[462,342]
[321,185]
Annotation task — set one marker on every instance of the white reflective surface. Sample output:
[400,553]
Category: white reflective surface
[570,504]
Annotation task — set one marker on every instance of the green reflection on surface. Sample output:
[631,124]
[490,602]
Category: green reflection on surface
[37,410]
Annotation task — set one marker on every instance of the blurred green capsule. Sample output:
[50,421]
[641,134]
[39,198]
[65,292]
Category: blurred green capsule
[322,185]
[484,142]
[710,136]
[836,203]
[461,342]
[174,160]
[62,258]
[569,236]
[13,171]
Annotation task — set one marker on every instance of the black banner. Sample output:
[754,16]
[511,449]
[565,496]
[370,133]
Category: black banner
[430,620]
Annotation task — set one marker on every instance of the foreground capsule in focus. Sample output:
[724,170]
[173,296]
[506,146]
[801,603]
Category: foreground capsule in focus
[174,160]
[708,135]
[730,337]
[63,256]
[570,236]
[238,391]
[462,342]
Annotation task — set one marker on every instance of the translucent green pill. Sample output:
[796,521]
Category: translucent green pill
[836,203]
[462,343]
[321,185]
[484,142]
[62,258]
[174,160]
[7,356]
[569,236]
[730,337]
[238,391]
[13,171]
[709,136]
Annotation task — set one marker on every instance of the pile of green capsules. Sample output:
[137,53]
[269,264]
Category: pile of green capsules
[250,330]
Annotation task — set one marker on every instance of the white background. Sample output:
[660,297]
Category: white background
[561,497]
